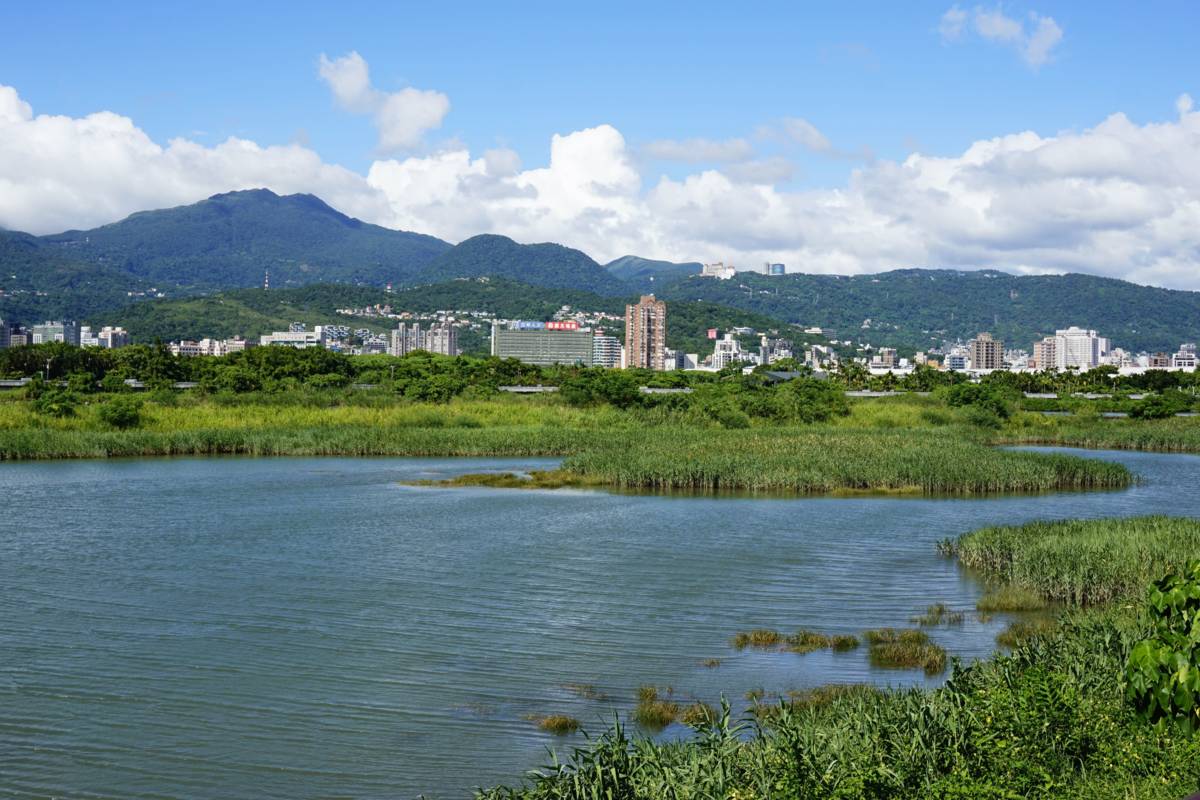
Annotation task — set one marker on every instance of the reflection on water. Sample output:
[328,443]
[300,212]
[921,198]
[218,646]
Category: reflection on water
[311,627]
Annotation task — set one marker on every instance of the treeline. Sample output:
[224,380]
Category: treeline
[730,397]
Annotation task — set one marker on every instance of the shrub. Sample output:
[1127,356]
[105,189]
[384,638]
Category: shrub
[56,403]
[1163,673]
[121,412]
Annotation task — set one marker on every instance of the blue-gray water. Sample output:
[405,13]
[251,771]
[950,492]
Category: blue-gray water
[301,628]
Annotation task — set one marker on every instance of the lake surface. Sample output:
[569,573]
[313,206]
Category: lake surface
[301,628]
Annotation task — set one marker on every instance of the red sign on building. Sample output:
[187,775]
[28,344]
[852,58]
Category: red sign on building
[712,333]
[562,325]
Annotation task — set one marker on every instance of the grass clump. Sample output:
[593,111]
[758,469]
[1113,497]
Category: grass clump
[805,641]
[761,638]
[1022,630]
[905,649]
[843,642]
[653,711]
[939,614]
[1081,562]
[1010,598]
[711,663]
[558,724]
[699,715]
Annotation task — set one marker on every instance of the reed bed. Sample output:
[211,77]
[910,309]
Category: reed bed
[831,460]
[653,710]
[643,450]
[1082,562]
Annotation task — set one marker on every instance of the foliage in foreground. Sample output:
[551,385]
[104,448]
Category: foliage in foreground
[1163,677]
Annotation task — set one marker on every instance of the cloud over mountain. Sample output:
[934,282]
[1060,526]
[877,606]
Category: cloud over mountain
[1120,199]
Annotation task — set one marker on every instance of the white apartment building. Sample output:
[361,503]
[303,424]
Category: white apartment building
[107,337]
[1076,348]
[727,351]
[606,351]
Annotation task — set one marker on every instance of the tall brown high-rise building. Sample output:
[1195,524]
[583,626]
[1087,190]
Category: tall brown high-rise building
[646,333]
[986,352]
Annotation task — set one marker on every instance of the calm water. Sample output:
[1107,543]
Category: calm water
[301,628]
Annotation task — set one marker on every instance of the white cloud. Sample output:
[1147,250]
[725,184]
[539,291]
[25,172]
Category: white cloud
[1033,40]
[699,150]
[952,24]
[797,130]
[402,118]
[1183,104]
[1119,199]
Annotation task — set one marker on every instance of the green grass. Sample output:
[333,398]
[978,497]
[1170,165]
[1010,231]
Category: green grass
[939,614]
[1010,598]
[640,450]
[1081,561]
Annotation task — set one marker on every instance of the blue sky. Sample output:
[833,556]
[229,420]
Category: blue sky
[879,81]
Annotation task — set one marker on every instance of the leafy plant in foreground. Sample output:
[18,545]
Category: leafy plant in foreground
[1163,674]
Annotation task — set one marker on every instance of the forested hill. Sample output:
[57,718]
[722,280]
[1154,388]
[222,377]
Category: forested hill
[648,275]
[231,239]
[549,265]
[920,307]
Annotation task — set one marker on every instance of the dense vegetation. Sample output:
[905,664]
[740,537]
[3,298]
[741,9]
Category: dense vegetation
[917,308]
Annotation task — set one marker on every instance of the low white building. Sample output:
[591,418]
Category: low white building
[299,339]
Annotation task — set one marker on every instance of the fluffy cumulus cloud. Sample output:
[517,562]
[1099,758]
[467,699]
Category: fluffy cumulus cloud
[402,118]
[1119,199]
[1033,38]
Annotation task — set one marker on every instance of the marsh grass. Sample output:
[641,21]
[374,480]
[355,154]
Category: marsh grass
[939,614]
[1020,631]
[843,642]
[638,450]
[761,638]
[558,724]
[1010,598]
[699,715]
[1079,562]
[654,711]
[805,641]
[891,648]
[711,663]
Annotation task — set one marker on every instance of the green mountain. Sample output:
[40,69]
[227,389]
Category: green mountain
[918,308]
[648,275]
[232,239]
[549,265]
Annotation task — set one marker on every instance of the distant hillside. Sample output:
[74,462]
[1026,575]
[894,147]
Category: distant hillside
[648,275]
[920,307]
[37,282]
[230,240]
[549,265]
